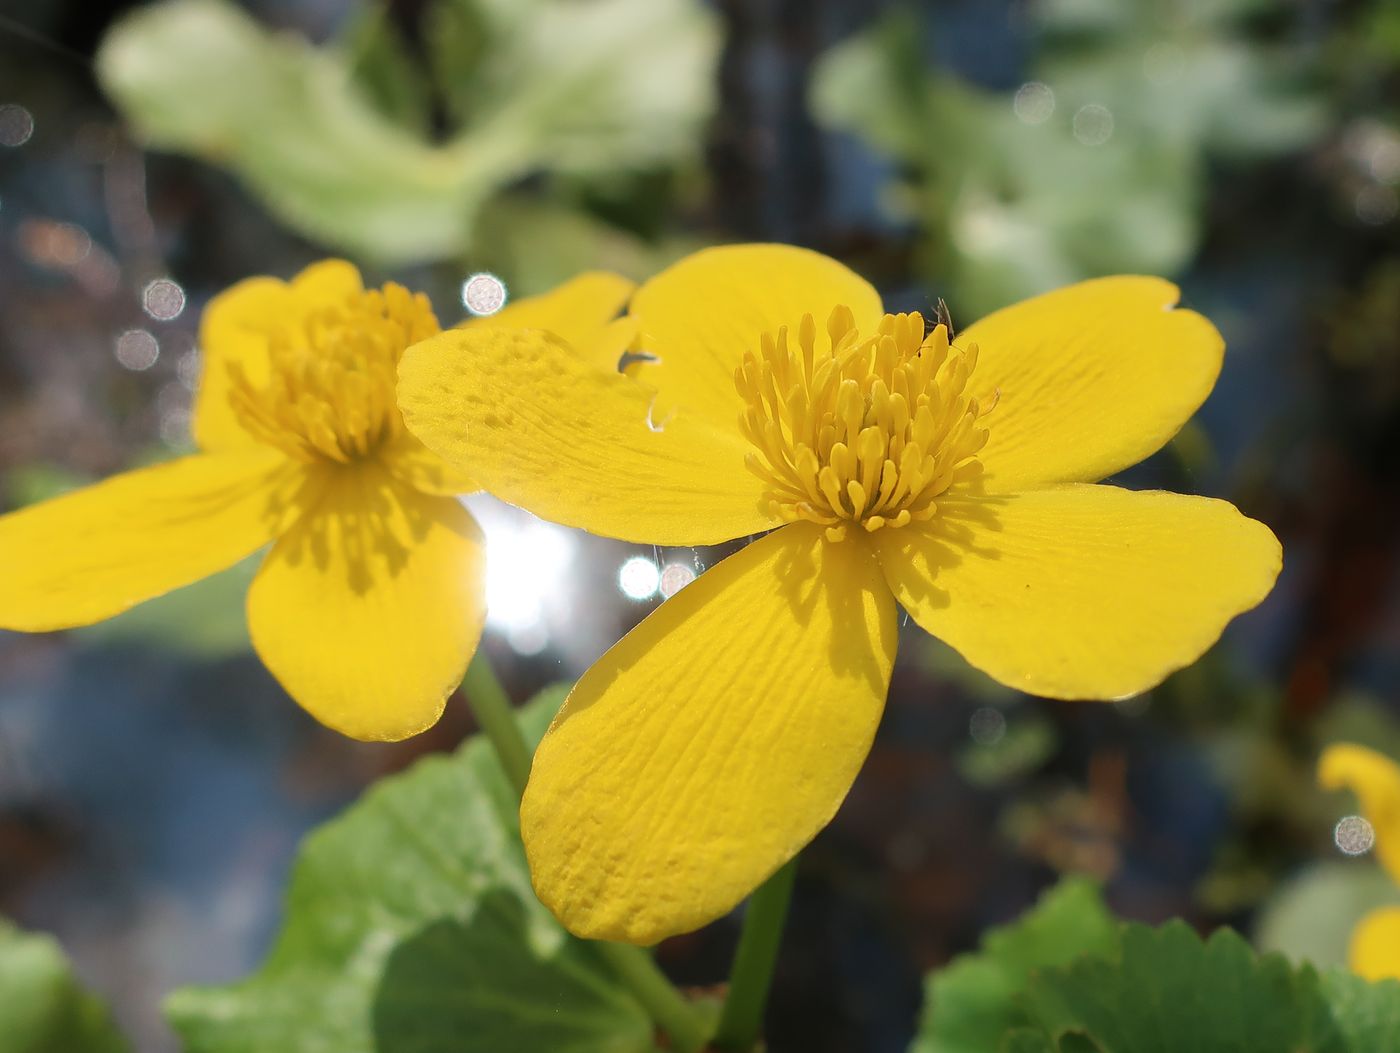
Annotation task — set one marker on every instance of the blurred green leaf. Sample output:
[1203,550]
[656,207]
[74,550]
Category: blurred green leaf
[42,1008]
[1028,741]
[411,924]
[31,483]
[1095,166]
[595,85]
[549,85]
[205,619]
[537,245]
[384,67]
[970,1004]
[1186,72]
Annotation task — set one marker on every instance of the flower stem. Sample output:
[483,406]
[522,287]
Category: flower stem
[662,1001]
[741,1022]
[494,713]
[633,966]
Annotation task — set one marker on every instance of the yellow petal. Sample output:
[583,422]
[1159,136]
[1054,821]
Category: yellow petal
[368,610]
[1375,780]
[580,312]
[1375,945]
[1092,379]
[701,314]
[713,742]
[413,463]
[1080,591]
[235,328]
[571,442]
[94,553]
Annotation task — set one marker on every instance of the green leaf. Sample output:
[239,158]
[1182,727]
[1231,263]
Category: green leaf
[1168,990]
[1366,1014]
[410,924]
[42,1008]
[971,1004]
[1068,978]
[329,137]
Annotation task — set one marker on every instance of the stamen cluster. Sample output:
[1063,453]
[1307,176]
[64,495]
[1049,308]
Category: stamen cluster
[850,430]
[330,389]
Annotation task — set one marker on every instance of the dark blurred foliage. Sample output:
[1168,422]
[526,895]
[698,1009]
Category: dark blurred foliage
[153,779]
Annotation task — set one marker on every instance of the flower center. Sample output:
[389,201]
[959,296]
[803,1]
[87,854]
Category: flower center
[331,378]
[851,430]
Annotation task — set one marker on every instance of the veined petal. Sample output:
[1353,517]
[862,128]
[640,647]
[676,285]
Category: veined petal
[1080,591]
[1375,780]
[543,429]
[579,312]
[95,552]
[1092,378]
[713,742]
[701,314]
[368,610]
[1374,953]
[235,328]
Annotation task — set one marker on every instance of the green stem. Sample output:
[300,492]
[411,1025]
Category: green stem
[741,1022]
[496,716]
[634,966]
[663,1003]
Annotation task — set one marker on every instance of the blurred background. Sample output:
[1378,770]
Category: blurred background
[154,780]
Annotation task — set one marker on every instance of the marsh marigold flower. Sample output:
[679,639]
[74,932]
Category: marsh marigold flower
[890,467]
[1375,779]
[370,603]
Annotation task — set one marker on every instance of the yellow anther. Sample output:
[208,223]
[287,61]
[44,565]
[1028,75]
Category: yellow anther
[860,430]
[330,388]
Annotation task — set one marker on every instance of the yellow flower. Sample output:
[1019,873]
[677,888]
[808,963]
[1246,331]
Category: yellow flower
[1375,779]
[717,738]
[370,603]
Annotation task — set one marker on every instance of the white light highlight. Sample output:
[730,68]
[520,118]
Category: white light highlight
[527,566]
[639,578]
[483,294]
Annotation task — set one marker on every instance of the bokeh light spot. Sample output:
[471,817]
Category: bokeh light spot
[1034,102]
[1376,205]
[163,299]
[483,294]
[1354,835]
[16,125]
[674,577]
[987,726]
[137,349]
[1093,124]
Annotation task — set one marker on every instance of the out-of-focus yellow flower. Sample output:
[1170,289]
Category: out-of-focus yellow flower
[1375,779]
[709,745]
[370,603]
